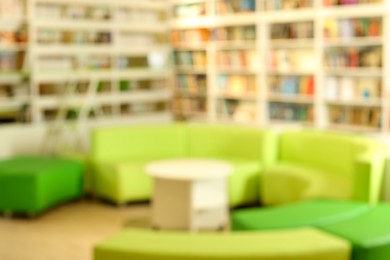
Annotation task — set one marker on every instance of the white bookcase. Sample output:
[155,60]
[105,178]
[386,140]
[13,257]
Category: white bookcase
[317,65]
[93,58]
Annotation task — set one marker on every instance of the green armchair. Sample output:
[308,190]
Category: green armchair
[314,164]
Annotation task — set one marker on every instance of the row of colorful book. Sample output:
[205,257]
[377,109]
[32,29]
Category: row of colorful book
[292,85]
[236,59]
[301,30]
[293,59]
[190,59]
[191,84]
[348,88]
[237,110]
[349,2]
[353,57]
[355,116]
[189,10]
[234,33]
[235,6]
[291,112]
[9,38]
[236,84]
[189,105]
[349,28]
[190,36]
[288,4]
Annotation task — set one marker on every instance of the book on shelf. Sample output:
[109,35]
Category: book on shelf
[190,36]
[189,10]
[293,60]
[352,27]
[13,8]
[235,6]
[349,2]
[350,88]
[369,57]
[236,59]
[234,33]
[291,112]
[236,84]
[301,30]
[355,116]
[239,111]
[192,84]
[292,85]
[347,89]
[288,4]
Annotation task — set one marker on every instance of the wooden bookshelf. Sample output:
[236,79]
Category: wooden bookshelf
[308,59]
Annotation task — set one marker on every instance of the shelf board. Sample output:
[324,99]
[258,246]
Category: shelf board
[191,46]
[358,10]
[355,72]
[241,71]
[13,47]
[291,98]
[291,43]
[286,122]
[75,24]
[190,70]
[63,49]
[179,2]
[232,45]
[114,3]
[79,100]
[361,102]
[193,22]
[140,118]
[12,77]
[353,42]
[238,96]
[61,76]
[11,22]
[281,16]
[183,94]
[354,128]
[239,19]
[188,113]
[290,72]
[11,103]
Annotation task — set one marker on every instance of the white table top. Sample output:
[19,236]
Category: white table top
[189,169]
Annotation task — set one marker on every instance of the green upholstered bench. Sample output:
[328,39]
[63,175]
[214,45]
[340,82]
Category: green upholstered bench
[369,233]
[31,184]
[304,213]
[297,244]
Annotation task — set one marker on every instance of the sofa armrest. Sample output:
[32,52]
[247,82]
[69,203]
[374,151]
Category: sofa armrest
[270,148]
[369,170]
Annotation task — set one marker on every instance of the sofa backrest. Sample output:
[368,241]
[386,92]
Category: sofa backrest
[228,140]
[139,142]
[328,151]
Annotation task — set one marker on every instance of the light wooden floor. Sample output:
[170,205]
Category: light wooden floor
[67,232]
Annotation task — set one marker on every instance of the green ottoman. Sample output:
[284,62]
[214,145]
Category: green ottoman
[31,184]
[290,244]
[304,213]
[369,233]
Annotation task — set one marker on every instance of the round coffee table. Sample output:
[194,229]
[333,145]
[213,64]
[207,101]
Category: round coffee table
[190,194]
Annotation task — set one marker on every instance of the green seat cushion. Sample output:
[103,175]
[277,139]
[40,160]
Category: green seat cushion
[33,183]
[297,244]
[289,182]
[123,180]
[304,213]
[369,233]
[243,182]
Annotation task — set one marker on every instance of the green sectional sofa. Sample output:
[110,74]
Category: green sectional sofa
[293,244]
[119,156]
[270,167]
[314,164]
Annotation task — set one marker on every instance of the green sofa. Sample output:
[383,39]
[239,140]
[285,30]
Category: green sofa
[292,244]
[315,164]
[119,156]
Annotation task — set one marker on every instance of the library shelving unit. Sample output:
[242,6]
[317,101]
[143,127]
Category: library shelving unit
[14,88]
[322,63]
[100,59]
